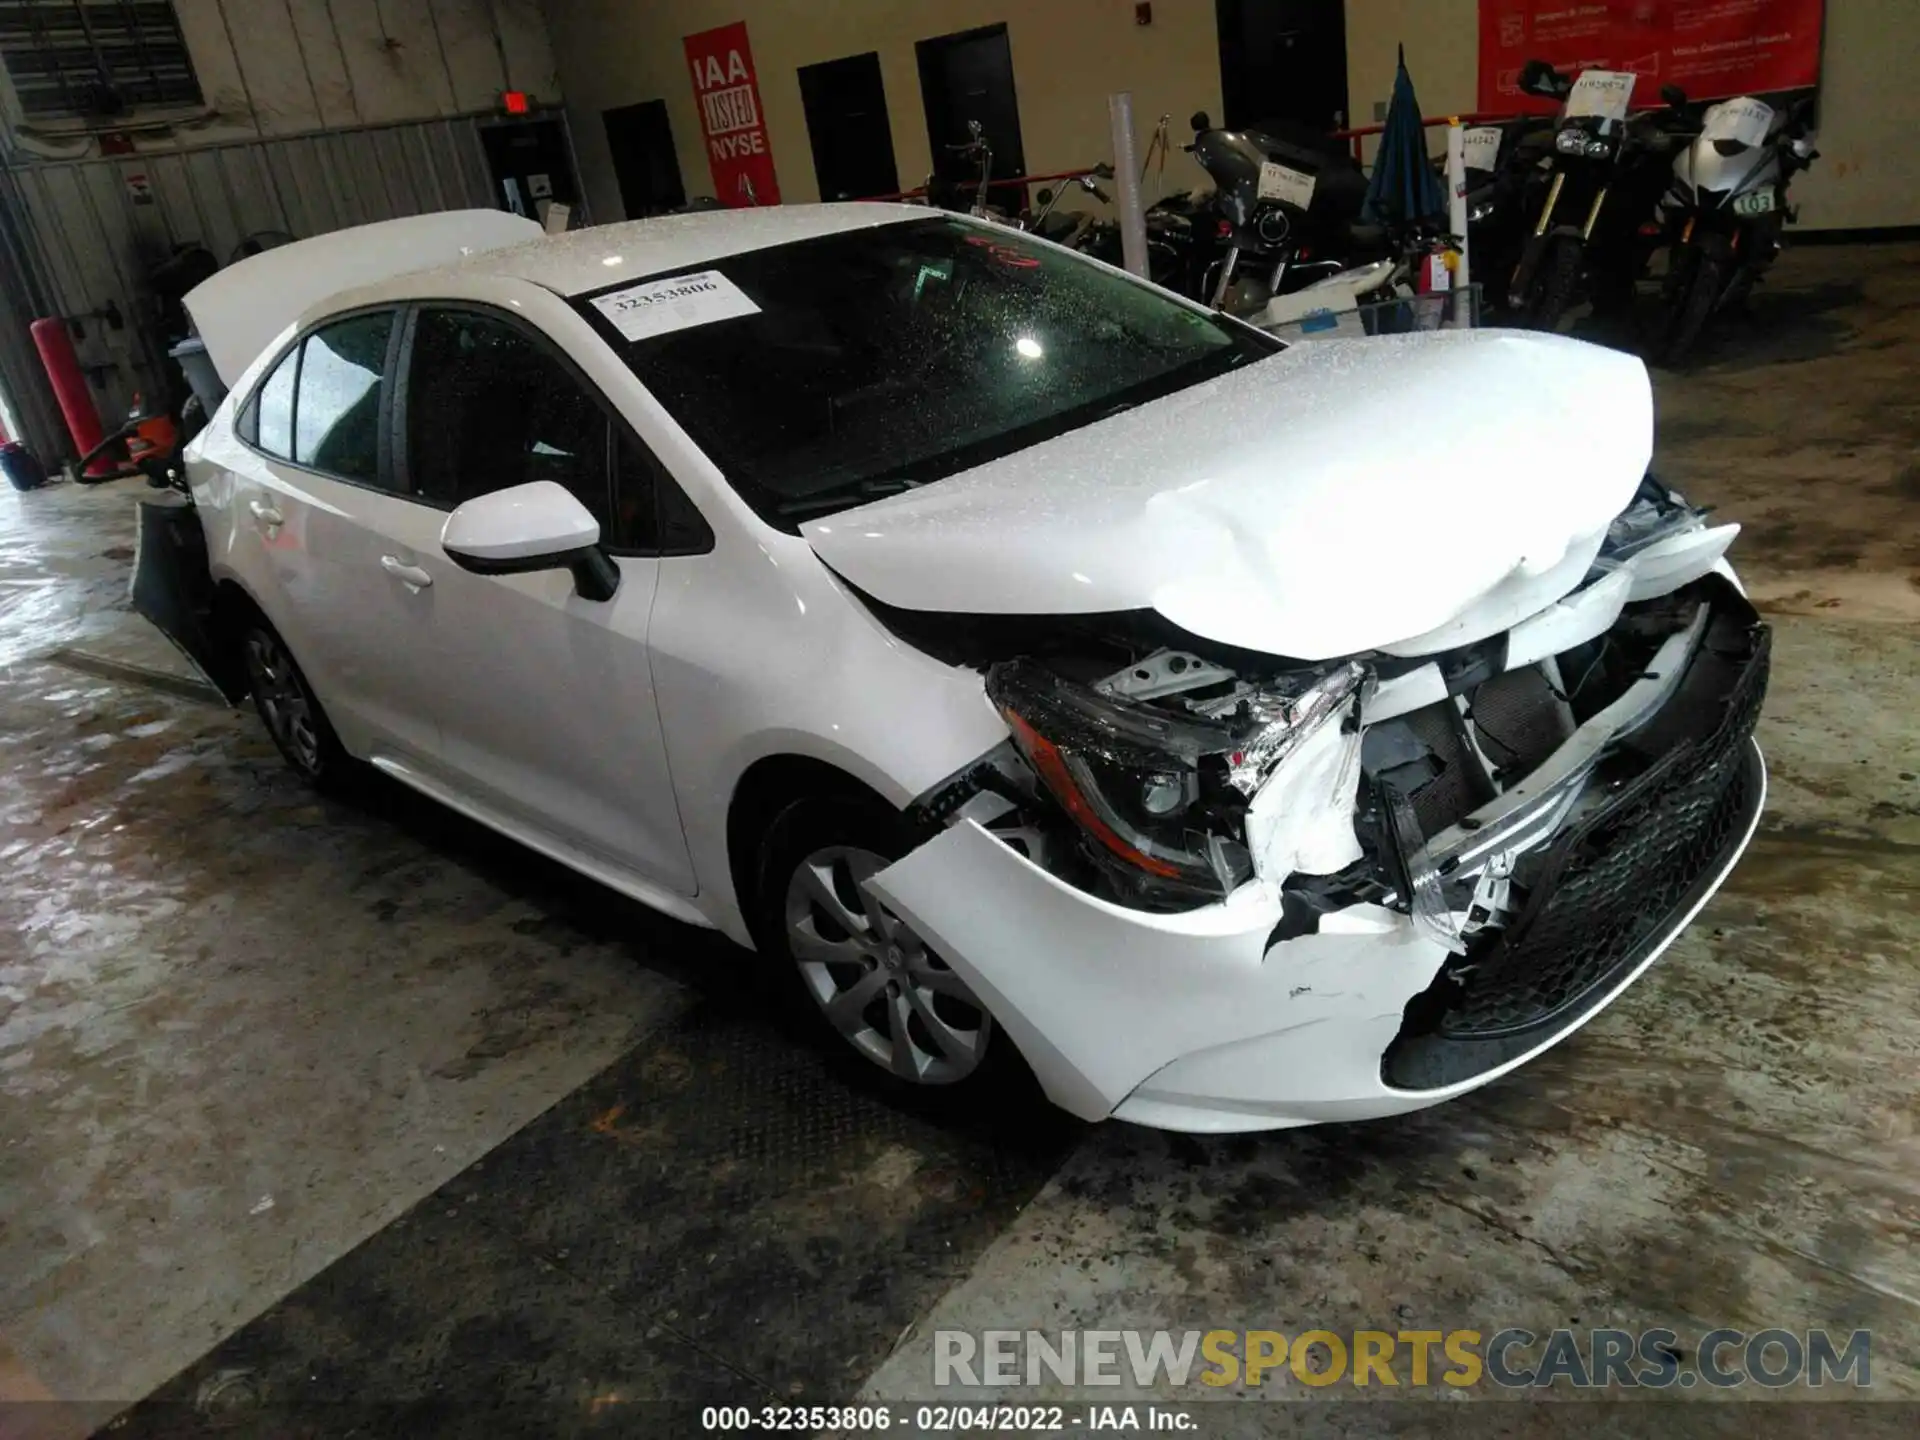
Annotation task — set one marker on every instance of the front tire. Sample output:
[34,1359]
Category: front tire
[1688,318]
[860,976]
[288,707]
[1559,283]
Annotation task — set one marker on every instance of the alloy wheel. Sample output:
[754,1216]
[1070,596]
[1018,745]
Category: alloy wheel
[882,987]
[283,700]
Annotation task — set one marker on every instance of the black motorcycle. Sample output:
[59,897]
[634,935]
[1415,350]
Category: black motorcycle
[1608,171]
[1285,212]
[1499,177]
[1724,217]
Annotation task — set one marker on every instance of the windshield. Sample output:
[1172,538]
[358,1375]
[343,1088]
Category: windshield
[821,374]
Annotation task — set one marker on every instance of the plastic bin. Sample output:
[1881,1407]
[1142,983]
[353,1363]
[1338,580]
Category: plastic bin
[1439,310]
[197,366]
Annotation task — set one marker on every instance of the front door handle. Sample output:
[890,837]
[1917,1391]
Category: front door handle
[407,574]
[265,513]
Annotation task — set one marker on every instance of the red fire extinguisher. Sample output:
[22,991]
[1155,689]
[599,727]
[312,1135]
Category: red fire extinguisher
[70,389]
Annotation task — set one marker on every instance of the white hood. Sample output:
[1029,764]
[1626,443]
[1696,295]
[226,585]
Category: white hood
[239,310]
[1408,493]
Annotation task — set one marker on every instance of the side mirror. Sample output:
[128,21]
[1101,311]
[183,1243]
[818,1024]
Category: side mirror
[1537,77]
[1199,121]
[524,528]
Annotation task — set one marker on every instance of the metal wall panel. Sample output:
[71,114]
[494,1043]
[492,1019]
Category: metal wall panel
[74,242]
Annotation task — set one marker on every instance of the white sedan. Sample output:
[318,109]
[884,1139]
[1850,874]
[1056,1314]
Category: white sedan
[1035,668]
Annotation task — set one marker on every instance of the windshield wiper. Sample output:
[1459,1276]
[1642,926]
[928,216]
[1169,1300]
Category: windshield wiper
[843,496]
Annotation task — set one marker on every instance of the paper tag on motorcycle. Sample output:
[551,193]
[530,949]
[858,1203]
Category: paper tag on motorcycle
[1744,121]
[1288,186]
[1603,94]
[1480,147]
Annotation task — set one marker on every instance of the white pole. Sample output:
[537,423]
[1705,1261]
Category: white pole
[1457,214]
[1126,175]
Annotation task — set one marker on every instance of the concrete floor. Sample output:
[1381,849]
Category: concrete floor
[243,1031]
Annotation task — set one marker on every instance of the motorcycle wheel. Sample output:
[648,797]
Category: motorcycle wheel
[1689,317]
[1559,284]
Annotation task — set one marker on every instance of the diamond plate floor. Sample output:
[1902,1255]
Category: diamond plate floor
[722,1215]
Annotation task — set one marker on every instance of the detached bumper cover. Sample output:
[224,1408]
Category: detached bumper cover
[1194,1021]
[1615,887]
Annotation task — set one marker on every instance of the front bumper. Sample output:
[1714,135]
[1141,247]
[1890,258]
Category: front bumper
[1193,1021]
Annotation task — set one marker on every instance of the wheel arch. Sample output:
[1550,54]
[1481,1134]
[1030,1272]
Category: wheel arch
[769,786]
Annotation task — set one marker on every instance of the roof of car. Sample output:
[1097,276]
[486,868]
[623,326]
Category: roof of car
[603,255]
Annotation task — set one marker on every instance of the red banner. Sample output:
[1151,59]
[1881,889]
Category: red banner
[731,117]
[1709,48]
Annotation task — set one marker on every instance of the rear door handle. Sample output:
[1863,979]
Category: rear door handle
[407,574]
[265,513]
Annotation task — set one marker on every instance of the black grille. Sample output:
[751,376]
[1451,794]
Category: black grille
[1461,786]
[1606,893]
[1519,721]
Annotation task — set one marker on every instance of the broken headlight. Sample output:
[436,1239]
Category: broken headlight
[1159,797]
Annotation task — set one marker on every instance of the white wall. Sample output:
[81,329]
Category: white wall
[1069,53]
[1067,56]
[1868,174]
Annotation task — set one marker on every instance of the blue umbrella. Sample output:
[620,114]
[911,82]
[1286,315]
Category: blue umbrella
[1403,188]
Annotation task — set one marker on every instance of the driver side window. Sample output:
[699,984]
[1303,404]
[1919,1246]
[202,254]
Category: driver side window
[487,409]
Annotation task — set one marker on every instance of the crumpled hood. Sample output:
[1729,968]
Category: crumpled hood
[1408,493]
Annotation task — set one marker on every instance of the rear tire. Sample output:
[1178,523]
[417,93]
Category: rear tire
[288,707]
[856,975]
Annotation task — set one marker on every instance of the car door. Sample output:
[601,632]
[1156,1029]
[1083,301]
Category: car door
[544,698]
[337,541]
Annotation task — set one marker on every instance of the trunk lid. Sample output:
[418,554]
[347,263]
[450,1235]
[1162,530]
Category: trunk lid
[1407,493]
[239,310]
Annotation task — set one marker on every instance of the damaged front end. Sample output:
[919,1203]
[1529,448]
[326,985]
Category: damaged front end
[1160,765]
[1541,804]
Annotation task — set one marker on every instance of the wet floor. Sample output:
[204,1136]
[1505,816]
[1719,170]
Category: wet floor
[351,1099]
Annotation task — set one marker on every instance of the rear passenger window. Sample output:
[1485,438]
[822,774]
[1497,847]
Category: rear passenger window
[337,419]
[273,409]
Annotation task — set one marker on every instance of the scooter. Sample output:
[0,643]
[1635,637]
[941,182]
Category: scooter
[1607,172]
[1723,216]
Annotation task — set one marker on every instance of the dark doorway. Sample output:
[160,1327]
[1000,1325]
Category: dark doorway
[969,76]
[847,123]
[531,164]
[644,161]
[1283,60]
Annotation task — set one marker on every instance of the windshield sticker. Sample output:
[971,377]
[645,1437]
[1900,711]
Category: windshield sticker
[1603,94]
[659,307]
